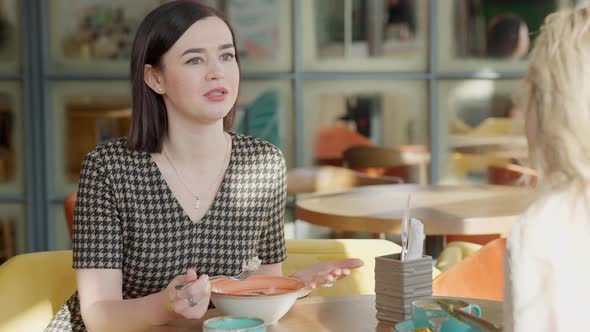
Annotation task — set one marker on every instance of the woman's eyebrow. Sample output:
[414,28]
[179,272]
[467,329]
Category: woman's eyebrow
[202,50]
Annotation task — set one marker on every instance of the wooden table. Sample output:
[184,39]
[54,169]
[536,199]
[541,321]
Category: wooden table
[470,140]
[499,146]
[444,210]
[334,313]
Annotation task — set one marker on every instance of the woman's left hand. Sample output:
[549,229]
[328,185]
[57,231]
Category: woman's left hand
[325,273]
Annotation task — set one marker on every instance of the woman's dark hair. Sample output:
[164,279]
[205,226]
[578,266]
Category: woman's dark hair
[502,36]
[156,34]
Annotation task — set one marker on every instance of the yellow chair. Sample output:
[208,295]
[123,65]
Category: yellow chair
[454,253]
[301,253]
[34,287]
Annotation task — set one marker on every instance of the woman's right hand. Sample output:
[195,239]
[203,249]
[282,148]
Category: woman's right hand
[192,301]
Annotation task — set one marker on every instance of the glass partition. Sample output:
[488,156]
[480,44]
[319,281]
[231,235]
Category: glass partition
[13,230]
[265,110]
[12,148]
[490,35]
[387,113]
[263,33]
[90,113]
[355,35]
[10,36]
[479,125]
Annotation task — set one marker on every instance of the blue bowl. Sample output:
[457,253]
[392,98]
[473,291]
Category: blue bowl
[234,324]
[405,326]
[410,326]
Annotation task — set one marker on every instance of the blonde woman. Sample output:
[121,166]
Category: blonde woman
[548,263]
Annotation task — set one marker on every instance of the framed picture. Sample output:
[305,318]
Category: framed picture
[96,36]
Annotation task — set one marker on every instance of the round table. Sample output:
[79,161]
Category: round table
[498,146]
[444,210]
[334,313]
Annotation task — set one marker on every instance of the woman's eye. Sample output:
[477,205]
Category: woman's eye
[227,57]
[195,61]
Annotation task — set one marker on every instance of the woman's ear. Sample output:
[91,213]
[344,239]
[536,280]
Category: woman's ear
[152,78]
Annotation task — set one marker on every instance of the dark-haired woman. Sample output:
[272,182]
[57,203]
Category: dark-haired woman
[507,37]
[181,198]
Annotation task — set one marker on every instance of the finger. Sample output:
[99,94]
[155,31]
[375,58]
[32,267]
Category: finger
[174,294]
[190,276]
[197,311]
[336,272]
[328,278]
[324,279]
[199,288]
[350,263]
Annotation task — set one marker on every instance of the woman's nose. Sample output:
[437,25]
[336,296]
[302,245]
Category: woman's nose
[215,71]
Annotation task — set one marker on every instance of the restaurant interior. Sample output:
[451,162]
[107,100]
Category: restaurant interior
[386,111]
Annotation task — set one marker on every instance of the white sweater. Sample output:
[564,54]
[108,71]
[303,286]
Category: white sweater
[547,270]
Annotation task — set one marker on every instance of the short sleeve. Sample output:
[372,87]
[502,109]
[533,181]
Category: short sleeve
[97,240]
[271,248]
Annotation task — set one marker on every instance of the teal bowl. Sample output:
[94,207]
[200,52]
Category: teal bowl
[410,326]
[405,326]
[234,324]
[427,313]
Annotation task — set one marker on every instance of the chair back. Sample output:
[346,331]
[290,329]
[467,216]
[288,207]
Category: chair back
[331,178]
[69,206]
[371,157]
[34,287]
[301,253]
[479,276]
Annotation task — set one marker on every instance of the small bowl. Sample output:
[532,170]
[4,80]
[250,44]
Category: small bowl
[234,324]
[428,312]
[265,297]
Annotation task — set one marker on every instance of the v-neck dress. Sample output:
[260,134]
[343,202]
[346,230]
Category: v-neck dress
[127,218]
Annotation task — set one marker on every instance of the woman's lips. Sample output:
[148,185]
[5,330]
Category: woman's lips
[217,94]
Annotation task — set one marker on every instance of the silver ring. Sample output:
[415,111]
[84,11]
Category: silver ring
[192,302]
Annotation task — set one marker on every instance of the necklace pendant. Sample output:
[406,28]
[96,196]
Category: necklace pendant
[197,203]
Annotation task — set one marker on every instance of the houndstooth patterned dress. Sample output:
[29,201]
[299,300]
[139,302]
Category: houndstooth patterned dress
[127,218]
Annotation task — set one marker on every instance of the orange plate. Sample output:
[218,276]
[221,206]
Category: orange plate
[257,285]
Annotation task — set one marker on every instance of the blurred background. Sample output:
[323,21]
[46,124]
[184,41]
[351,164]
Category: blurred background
[318,76]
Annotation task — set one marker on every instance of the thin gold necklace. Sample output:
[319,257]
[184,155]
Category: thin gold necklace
[196,199]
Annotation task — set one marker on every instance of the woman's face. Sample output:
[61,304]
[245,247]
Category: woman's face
[200,75]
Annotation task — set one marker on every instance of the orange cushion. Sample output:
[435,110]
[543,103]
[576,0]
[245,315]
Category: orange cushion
[479,239]
[479,276]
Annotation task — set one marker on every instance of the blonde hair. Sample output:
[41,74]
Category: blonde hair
[557,99]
